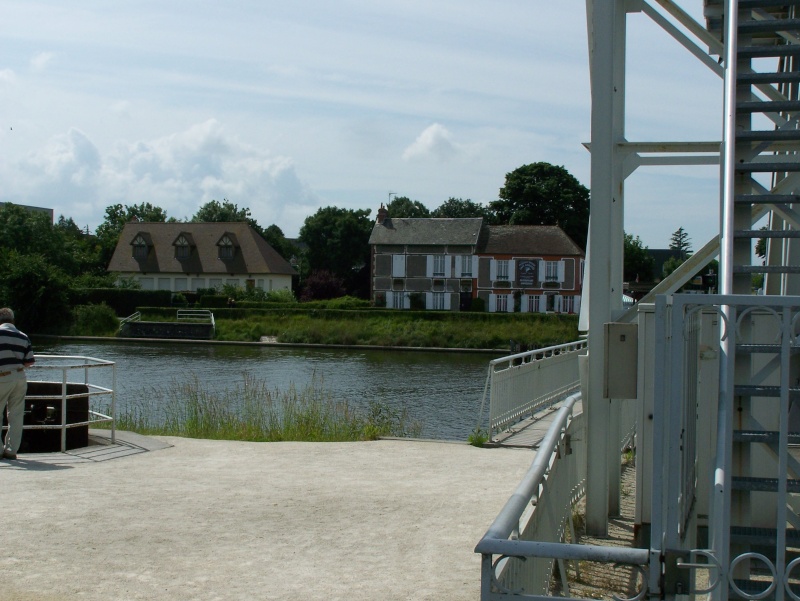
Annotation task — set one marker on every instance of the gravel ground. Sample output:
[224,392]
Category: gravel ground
[202,519]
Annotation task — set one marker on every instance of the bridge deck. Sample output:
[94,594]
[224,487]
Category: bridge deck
[529,432]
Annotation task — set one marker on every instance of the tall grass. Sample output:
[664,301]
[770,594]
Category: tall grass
[252,411]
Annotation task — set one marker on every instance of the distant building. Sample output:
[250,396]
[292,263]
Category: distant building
[184,257]
[447,263]
[48,212]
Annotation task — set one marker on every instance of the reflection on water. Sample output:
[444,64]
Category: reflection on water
[441,390]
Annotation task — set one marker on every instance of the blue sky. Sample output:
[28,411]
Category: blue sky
[286,107]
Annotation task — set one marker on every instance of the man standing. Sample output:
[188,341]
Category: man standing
[16,354]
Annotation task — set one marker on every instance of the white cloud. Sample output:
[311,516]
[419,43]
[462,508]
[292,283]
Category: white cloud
[179,172]
[7,76]
[435,142]
[41,61]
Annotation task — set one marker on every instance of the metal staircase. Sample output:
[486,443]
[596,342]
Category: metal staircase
[766,140]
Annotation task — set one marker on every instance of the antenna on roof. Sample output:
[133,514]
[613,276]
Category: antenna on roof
[390,196]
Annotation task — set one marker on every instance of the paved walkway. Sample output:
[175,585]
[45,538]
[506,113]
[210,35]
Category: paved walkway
[171,519]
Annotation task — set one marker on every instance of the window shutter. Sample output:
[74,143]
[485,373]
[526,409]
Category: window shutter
[512,271]
[561,270]
[509,303]
[523,307]
[429,300]
[406,300]
[448,265]
[448,301]
[398,266]
[558,303]
[493,271]
[389,299]
[474,266]
[429,266]
[542,273]
[492,301]
[577,307]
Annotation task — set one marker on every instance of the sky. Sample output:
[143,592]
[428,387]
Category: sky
[288,107]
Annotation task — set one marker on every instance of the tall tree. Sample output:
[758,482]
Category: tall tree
[222,211]
[681,242]
[460,208]
[337,241]
[402,206]
[638,262]
[544,194]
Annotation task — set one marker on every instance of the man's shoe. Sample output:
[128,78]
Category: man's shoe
[9,455]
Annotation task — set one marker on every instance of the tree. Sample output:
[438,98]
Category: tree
[338,241]
[35,289]
[680,241]
[402,206]
[225,211]
[544,194]
[275,238]
[458,208]
[638,262]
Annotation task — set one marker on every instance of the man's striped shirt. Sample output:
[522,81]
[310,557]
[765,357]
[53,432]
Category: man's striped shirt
[15,347]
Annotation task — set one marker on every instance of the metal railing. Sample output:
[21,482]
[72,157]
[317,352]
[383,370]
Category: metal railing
[521,547]
[203,315]
[135,317]
[65,366]
[522,384]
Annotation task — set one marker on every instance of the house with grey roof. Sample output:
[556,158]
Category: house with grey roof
[446,263]
[183,257]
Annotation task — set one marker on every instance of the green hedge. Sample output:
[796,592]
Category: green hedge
[124,301]
[244,311]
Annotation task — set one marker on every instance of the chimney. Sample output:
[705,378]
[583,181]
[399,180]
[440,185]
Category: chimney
[382,215]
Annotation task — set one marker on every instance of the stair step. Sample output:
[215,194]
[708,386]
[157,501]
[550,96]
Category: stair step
[766,269]
[763,536]
[769,199]
[769,135]
[769,51]
[777,77]
[769,167]
[763,348]
[762,484]
[753,26]
[763,436]
[769,391]
[768,106]
[750,4]
[766,234]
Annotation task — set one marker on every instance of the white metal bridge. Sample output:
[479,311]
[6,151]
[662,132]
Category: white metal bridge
[710,384]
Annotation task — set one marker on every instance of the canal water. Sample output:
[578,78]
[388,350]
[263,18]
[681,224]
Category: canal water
[442,391]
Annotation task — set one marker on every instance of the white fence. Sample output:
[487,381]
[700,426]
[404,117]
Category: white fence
[68,370]
[519,385]
[526,539]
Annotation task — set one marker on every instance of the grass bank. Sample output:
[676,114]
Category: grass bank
[388,328]
[251,411]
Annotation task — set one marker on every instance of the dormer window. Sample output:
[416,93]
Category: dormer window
[140,247]
[183,246]
[226,247]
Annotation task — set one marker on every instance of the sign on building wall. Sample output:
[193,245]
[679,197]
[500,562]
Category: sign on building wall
[526,273]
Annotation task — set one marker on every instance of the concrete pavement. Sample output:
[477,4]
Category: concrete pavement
[173,518]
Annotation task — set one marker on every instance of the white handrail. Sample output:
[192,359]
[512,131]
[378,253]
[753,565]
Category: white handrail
[521,384]
[67,364]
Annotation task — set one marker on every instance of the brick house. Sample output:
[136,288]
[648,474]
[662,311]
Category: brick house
[183,257]
[446,263]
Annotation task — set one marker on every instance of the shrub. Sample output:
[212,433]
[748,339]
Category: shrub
[284,295]
[94,320]
[478,305]
[322,285]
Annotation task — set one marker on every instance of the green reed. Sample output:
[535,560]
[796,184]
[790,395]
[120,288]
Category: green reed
[253,411]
